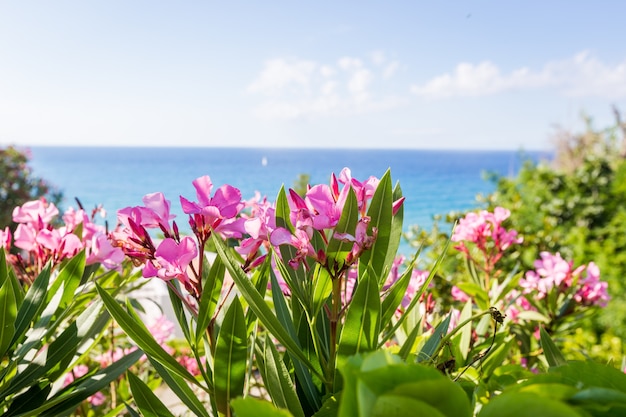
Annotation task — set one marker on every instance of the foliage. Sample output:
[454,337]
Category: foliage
[18,184]
[47,330]
[306,304]
[575,207]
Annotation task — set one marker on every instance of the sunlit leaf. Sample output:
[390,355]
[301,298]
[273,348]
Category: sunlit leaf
[230,356]
[148,403]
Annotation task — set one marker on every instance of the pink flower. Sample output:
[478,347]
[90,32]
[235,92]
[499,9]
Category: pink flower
[35,212]
[172,260]
[101,251]
[364,190]
[300,240]
[161,329]
[156,212]
[459,295]
[550,271]
[217,212]
[60,243]
[190,364]
[362,241]
[592,291]
[479,227]
[5,238]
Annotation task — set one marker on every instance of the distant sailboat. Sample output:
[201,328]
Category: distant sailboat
[264,161]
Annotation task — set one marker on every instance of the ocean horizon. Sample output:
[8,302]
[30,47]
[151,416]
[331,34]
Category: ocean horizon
[433,182]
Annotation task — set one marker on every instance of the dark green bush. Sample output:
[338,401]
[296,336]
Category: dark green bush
[18,184]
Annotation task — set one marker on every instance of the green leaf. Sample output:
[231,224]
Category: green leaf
[338,250]
[33,303]
[66,400]
[396,294]
[477,293]
[257,303]
[322,288]
[552,353]
[211,291]
[148,403]
[432,344]
[531,315]
[252,407]
[181,389]
[278,381]
[381,218]
[142,336]
[389,334]
[8,315]
[526,405]
[70,276]
[230,357]
[362,324]
[179,311]
[302,371]
[380,384]
[407,347]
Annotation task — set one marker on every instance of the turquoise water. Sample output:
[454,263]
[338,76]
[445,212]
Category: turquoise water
[433,182]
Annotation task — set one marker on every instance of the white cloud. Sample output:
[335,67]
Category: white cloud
[279,74]
[582,75]
[390,69]
[294,88]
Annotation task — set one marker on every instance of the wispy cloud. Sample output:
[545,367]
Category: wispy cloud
[581,75]
[294,88]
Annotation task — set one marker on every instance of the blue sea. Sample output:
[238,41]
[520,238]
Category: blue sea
[433,182]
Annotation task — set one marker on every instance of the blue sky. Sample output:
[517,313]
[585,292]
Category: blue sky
[395,74]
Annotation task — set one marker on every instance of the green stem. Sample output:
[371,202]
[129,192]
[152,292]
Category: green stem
[334,326]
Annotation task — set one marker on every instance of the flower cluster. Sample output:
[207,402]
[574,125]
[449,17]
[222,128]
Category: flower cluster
[553,273]
[484,230]
[320,210]
[41,240]
[251,224]
[554,289]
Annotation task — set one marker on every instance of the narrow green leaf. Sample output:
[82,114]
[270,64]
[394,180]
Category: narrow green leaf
[552,353]
[257,303]
[396,230]
[277,380]
[381,218]
[362,324]
[148,403]
[71,396]
[389,334]
[322,288]
[70,276]
[142,337]
[4,270]
[211,290]
[181,389]
[8,315]
[33,304]
[407,346]
[338,250]
[303,374]
[179,311]
[131,411]
[18,290]
[253,407]
[293,277]
[230,357]
[395,295]
[432,344]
